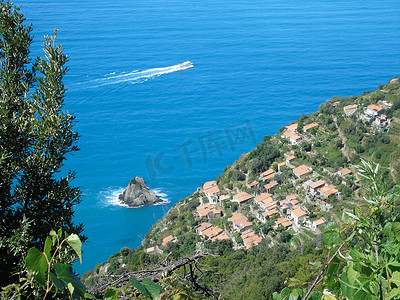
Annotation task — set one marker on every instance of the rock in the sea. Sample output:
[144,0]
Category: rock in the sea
[138,194]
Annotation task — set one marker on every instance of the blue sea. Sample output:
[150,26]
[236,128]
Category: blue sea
[257,65]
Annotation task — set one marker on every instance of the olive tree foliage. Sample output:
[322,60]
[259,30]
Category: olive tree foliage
[35,137]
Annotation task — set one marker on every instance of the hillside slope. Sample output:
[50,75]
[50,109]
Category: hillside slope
[262,218]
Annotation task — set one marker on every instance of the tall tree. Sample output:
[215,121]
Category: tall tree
[36,136]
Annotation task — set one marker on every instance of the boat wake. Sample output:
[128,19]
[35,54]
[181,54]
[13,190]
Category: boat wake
[136,76]
[109,197]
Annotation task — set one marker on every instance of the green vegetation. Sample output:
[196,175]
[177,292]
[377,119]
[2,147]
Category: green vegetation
[356,257]
[35,138]
[363,252]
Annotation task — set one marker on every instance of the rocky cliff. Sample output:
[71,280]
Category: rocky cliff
[138,194]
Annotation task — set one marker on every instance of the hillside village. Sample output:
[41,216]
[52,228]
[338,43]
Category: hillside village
[297,192]
[265,213]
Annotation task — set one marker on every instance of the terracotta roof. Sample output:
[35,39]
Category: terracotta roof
[336,103]
[318,184]
[253,183]
[292,135]
[262,197]
[224,197]
[299,212]
[221,236]
[328,190]
[211,188]
[309,126]
[375,108]
[204,226]
[269,213]
[281,164]
[291,127]
[290,158]
[168,239]
[242,197]
[345,171]
[350,107]
[294,201]
[237,218]
[291,197]
[153,249]
[269,176]
[204,209]
[212,231]
[283,221]
[251,239]
[302,170]
[240,220]
[271,185]
[267,173]
[319,222]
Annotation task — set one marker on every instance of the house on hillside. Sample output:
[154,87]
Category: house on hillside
[301,171]
[250,239]
[282,221]
[315,224]
[328,191]
[374,110]
[291,128]
[168,239]
[252,184]
[299,215]
[264,200]
[314,187]
[271,186]
[211,190]
[292,137]
[154,250]
[242,197]
[345,172]
[270,173]
[350,109]
[308,127]
[281,165]
[240,222]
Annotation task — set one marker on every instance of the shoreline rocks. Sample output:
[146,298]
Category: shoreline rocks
[138,194]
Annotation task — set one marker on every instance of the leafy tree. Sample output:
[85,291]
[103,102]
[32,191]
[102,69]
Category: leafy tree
[363,254]
[35,138]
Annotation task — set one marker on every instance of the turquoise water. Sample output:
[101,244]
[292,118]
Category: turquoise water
[257,66]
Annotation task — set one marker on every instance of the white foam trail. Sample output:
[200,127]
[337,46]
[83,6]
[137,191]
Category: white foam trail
[109,197]
[138,76]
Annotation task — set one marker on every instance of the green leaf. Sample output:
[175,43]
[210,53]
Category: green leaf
[396,278]
[396,230]
[352,274]
[53,235]
[88,296]
[153,288]
[70,288]
[353,216]
[36,262]
[74,241]
[47,248]
[111,293]
[331,238]
[394,294]
[57,282]
[64,273]
[137,285]
[333,267]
